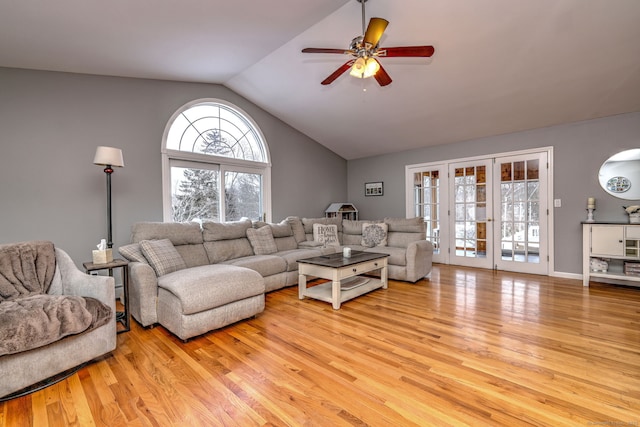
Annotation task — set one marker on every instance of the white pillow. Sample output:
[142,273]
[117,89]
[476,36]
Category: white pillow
[374,234]
[326,234]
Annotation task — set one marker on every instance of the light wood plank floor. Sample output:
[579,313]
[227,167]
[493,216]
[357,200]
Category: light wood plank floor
[466,347]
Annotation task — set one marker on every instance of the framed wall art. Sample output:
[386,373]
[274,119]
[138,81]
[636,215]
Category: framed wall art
[373,188]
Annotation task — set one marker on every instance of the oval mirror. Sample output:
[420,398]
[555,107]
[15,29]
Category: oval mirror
[620,175]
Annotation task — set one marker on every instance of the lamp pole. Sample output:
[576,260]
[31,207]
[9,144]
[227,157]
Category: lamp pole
[109,170]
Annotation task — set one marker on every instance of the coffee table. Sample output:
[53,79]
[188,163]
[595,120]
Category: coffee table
[345,275]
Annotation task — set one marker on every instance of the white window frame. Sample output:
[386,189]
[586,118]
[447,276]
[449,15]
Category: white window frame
[223,164]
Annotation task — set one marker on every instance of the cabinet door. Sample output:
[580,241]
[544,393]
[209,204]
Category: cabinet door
[607,240]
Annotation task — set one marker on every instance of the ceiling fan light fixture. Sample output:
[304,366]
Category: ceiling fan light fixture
[371,68]
[364,68]
[358,68]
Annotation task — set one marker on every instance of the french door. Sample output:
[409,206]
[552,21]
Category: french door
[486,212]
[523,213]
[470,213]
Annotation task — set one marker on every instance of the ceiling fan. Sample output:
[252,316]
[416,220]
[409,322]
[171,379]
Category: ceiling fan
[365,50]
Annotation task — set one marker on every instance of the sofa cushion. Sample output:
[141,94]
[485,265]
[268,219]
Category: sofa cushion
[374,234]
[282,229]
[216,231]
[408,225]
[266,265]
[297,228]
[225,250]
[162,256]
[402,240]
[132,253]
[292,257]
[209,286]
[286,243]
[261,240]
[308,223]
[326,234]
[397,256]
[180,233]
[193,255]
[354,227]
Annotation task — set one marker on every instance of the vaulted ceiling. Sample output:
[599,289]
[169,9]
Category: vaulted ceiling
[499,66]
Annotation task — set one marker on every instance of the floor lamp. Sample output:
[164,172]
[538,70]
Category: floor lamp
[109,157]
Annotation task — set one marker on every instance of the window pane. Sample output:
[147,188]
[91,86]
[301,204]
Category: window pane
[217,130]
[242,196]
[194,194]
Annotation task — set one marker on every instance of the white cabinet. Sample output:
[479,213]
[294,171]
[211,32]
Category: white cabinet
[618,245]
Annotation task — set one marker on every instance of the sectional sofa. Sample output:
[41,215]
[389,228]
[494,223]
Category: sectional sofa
[195,277]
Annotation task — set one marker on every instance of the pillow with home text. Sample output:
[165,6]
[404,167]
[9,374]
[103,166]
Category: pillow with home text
[326,234]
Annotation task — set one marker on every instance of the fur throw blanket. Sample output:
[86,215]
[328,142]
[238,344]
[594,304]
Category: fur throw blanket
[31,318]
[26,269]
[38,320]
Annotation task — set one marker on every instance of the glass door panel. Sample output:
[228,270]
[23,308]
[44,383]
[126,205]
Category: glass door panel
[427,204]
[523,213]
[426,198]
[471,206]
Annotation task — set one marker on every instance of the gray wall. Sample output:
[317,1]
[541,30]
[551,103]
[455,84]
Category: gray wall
[579,150]
[51,124]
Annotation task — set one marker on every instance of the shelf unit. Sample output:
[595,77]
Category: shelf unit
[616,243]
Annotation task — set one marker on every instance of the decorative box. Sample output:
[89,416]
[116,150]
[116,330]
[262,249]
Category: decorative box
[634,218]
[102,257]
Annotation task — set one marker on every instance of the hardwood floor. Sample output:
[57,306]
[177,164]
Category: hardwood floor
[466,347]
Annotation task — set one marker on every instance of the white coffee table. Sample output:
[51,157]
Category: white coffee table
[344,275]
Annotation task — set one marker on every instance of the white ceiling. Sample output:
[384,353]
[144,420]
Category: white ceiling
[499,65]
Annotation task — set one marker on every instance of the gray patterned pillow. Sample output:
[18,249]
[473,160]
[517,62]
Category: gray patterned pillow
[262,240]
[132,253]
[162,256]
[374,234]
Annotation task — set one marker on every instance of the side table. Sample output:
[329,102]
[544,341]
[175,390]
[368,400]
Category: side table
[121,316]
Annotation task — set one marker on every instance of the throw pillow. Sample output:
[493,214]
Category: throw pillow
[162,256]
[374,234]
[326,234]
[262,240]
[132,253]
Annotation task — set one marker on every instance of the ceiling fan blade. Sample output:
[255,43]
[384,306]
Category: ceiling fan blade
[374,31]
[323,50]
[422,51]
[381,76]
[337,73]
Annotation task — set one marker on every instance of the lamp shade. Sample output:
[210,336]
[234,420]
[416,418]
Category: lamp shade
[108,156]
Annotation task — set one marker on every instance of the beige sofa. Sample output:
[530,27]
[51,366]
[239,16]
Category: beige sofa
[222,270]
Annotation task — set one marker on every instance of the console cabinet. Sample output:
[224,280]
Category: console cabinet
[618,245]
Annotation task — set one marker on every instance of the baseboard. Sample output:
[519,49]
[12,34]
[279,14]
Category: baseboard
[565,275]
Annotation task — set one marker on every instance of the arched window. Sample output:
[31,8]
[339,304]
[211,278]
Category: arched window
[215,165]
